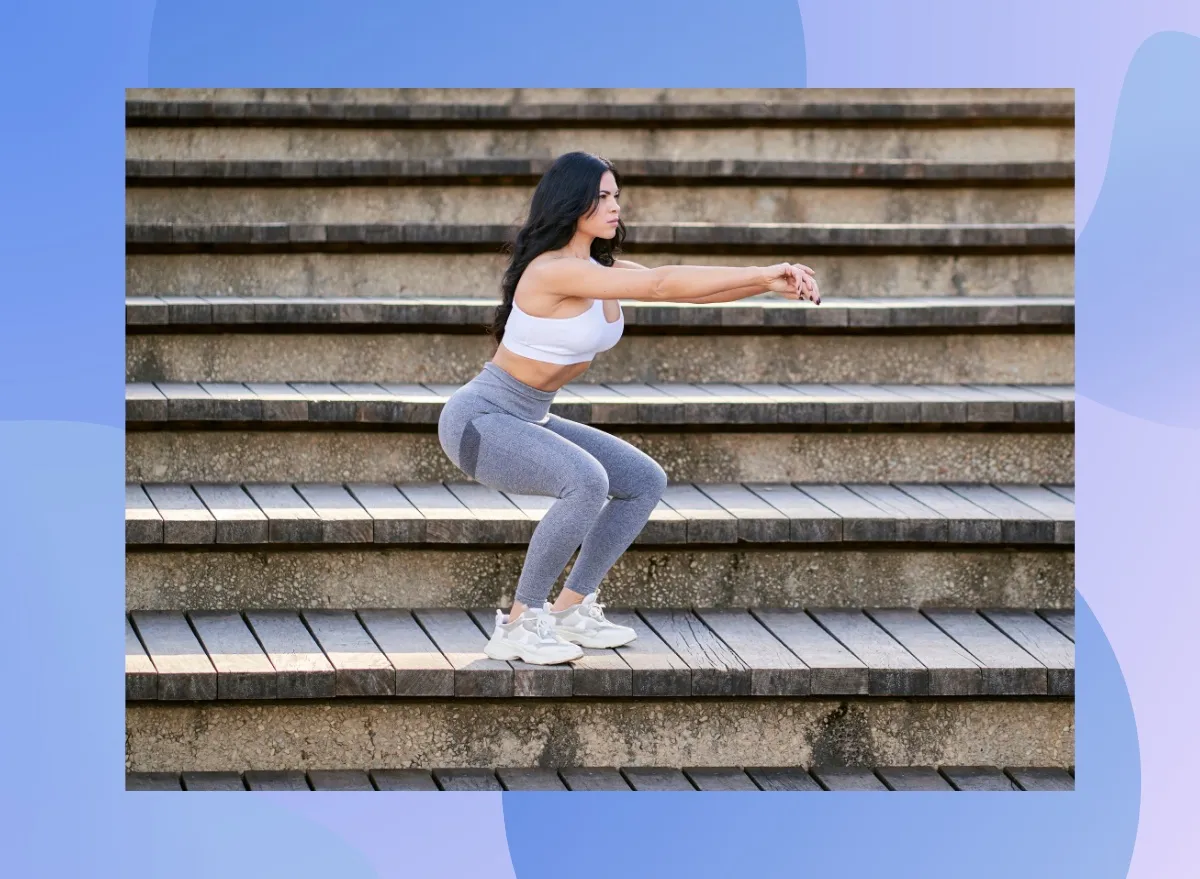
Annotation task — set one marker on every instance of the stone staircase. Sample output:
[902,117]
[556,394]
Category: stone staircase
[877,491]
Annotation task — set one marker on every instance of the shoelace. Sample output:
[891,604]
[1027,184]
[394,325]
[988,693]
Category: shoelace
[543,627]
[596,612]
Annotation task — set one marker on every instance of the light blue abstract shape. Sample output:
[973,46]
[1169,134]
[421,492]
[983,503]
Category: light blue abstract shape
[922,835]
[1137,280]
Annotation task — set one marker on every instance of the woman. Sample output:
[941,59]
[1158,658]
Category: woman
[498,427]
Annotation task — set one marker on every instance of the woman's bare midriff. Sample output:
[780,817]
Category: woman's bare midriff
[551,376]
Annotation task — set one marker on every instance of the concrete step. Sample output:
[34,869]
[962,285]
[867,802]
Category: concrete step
[763,339]
[382,733]
[813,124]
[611,778]
[299,690]
[228,432]
[852,261]
[498,191]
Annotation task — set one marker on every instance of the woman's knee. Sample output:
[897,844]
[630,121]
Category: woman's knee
[590,480]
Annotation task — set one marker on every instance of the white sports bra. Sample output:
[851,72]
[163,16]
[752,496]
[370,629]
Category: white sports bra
[562,340]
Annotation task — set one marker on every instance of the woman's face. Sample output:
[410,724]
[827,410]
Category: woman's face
[602,222]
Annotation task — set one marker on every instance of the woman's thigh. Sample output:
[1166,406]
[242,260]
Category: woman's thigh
[630,470]
[507,453]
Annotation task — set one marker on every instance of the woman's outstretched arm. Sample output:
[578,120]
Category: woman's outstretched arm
[732,294]
[671,283]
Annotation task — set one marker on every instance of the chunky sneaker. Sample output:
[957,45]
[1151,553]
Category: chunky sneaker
[532,638]
[585,625]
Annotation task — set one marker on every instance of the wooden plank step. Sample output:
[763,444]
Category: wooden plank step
[512,171]
[330,112]
[792,513]
[683,237]
[775,778]
[423,314]
[438,653]
[660,404]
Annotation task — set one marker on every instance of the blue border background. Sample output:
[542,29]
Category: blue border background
[1135,69]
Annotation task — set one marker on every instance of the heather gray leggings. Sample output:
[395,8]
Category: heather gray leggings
[500,431]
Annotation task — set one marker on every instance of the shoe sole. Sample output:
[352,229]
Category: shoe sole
[512,653]
[593,642]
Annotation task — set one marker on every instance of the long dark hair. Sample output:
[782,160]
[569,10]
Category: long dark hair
[568,190]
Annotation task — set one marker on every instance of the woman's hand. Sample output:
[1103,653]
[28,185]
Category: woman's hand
[794,281]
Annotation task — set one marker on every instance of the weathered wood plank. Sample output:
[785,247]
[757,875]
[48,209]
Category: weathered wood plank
[1042,778]
[421,669]
[243,670]
[342,519]
[466,779]
[1049,504]
[811,522]
[185,518]
[530,779]
[978,778]
[403,779]
[596,778]
[152,781]
[144,403]
[279,402]
[1063,620]
[213,781]
[141,680]
[847,778]
[528,679]
[965,522]
[461,642]
[914,520]
[499,519]
[891,670]
[302,671]
[447,520]
[360,669]
[719,778]
[774,670]
[913,778]
[656,670]
[184,671]
[707,521]
[1020,522]
[757,520]
[656,778]
[861,519]
[602,672]
[1006,670]
[238,519]
[953,671]
[273,779]
[394,518]
[339,779]
[1044,643]
[716,670]
[833,670]
[143,523]
[289,517]
[771,778]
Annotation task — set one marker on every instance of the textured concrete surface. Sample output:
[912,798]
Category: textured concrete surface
[984,358]
[649,578]
[435,274]
[391,456]
[748,203]
[776,732]
[812,142]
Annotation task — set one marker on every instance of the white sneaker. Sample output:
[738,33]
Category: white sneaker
[532,638]
[585,625]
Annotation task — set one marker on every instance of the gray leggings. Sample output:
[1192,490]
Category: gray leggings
[500,431]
